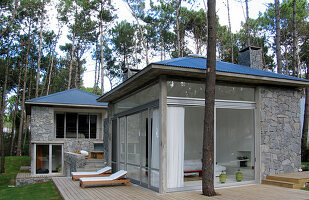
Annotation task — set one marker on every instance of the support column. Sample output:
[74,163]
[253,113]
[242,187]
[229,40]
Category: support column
[163,132]
[108,135]
[257,132]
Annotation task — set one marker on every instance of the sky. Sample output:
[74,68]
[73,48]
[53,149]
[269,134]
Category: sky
[237,10]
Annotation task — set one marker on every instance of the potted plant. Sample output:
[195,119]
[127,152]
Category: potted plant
[239,176]
[222,177]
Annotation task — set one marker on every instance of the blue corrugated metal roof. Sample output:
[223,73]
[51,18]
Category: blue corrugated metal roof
[73,97]
[200,63]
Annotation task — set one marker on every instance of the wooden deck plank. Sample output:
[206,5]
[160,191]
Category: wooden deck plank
[71,190]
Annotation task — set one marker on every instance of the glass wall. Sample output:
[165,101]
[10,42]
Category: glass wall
[139,147]
[146,95]
[235,145]
[197,90]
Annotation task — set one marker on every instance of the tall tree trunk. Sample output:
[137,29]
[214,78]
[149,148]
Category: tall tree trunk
[287,70]
[102,49]
[230,29]
[248,26]
[278,35]
[71,63]
[12,19]
[52,62]
[178,28]
[18,151]
[40,51]
[15,113]
[95,85]
[294,40]
[77,67]
[208,138]
[141,32]
[30,83]
[2,113]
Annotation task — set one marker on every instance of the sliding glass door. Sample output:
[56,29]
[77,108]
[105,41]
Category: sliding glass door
[235,146]
[48,158]
[138,141]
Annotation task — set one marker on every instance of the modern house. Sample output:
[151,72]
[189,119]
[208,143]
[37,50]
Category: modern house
[66,121]
[156,123]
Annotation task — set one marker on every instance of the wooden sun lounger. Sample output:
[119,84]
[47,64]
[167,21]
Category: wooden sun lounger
[116,178]
[100,173]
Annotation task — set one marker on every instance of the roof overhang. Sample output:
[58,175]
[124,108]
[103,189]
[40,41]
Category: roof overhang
[29,104]
[152,71]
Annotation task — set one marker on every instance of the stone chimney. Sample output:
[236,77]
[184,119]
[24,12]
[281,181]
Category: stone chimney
[128,72]
[251,56]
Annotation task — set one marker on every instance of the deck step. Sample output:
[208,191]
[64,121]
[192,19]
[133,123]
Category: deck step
[282,183]
[284,179]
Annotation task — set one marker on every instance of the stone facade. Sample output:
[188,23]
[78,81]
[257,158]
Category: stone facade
[72,161]
[43,132]
[42,123]
[280,130]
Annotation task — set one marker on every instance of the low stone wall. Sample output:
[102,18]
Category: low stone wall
[72,161]
[31,180]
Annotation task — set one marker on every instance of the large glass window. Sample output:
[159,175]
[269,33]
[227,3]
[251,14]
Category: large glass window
[235,145]
[133,143]
[59,125]
[144,96]
[76,125]
[139,146]
[197,90]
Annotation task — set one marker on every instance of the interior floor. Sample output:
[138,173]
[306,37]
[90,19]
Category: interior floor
[195,180]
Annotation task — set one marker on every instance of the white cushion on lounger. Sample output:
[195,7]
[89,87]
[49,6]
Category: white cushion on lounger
[108,178]
[105,169]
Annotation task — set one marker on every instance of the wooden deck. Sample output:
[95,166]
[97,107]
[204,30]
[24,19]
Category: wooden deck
[71,190]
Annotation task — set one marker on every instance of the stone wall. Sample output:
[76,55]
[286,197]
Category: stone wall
[72,161]
[280,130]
[43,131]
[42,123]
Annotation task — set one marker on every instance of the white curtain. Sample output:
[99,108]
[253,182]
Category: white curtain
[155,148]
[175,146]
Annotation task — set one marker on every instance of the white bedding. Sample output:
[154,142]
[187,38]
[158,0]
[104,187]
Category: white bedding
[191,165]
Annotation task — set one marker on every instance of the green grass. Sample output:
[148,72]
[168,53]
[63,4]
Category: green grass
[32,192]
[12,166]
[305,163]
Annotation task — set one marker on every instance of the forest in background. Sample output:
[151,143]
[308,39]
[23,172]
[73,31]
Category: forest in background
[34,64]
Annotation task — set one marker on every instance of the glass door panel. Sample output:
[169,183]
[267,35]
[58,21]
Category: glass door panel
[56,159]
[122,139]
[42,159]
[234,145]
